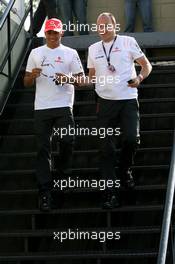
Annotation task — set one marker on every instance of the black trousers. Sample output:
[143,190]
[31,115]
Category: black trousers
[45,8]
[48,123]
[71,9]
[123,114]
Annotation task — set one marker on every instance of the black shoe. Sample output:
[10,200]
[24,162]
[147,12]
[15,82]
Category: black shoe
[45,202]
[130,184]
[129,180]
[110,201]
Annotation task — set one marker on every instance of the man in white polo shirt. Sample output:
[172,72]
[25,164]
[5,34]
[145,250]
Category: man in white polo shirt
[53,103]
[113,58]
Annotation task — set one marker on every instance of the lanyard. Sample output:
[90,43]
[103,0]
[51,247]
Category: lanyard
[108,57]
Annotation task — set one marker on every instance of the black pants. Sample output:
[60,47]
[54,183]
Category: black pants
[47,124]
[71,9]
[45,8]
[123,114]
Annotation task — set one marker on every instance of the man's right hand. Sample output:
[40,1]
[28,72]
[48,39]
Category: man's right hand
[30,77]
[36,73]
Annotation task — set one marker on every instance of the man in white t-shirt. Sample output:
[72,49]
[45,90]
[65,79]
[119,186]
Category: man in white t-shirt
[113,58]
[53,104]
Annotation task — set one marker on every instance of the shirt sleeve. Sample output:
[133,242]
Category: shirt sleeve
[76,65]
[30,63]
[90,63]
[135,50]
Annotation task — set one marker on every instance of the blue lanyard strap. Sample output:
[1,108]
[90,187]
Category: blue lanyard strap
[108,57]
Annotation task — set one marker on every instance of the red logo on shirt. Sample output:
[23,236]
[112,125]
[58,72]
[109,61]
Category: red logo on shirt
[58,60]
[116,49]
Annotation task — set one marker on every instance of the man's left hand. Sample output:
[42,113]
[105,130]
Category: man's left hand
[61,78]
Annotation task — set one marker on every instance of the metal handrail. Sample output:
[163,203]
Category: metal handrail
[14,39]
[14,10]
[7,58]
[6,13]
[167,211]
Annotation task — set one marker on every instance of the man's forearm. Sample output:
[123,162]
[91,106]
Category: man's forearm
[145,72]
[146,68]
[29,81]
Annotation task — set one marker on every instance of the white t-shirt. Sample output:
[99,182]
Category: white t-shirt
[113,85]
[59,60]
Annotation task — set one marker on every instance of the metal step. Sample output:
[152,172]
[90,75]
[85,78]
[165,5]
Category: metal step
[84,210]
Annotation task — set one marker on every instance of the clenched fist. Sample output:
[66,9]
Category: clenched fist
[36,73]
[30,77]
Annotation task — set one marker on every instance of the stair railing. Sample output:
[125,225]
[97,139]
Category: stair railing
[167,215]
[10,45]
